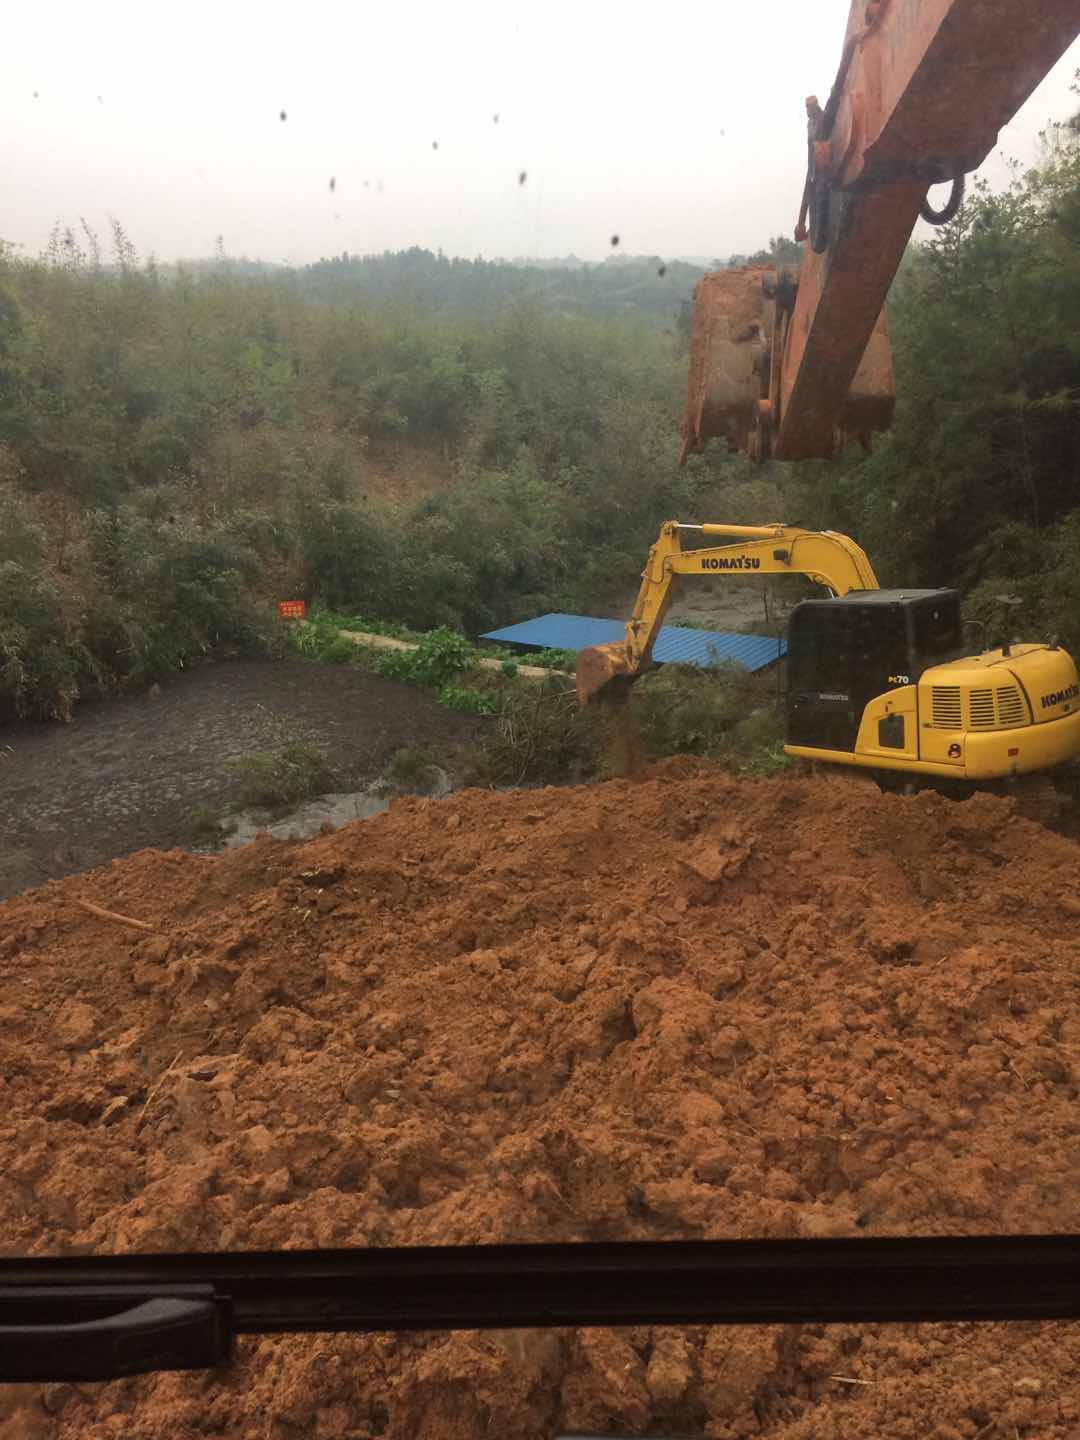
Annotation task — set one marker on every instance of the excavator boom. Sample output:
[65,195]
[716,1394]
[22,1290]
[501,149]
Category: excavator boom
[824,556]
[790,364]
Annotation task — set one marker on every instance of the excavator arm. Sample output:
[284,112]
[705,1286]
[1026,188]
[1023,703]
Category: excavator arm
[790,364]
[824,556]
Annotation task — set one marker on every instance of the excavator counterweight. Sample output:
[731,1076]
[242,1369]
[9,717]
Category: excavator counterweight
[789,364]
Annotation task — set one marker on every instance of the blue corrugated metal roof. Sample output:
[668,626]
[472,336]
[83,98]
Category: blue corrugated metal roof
[675,642]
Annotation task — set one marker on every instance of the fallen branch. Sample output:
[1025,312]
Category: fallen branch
[104,914]
[154,1089]
[850,1380]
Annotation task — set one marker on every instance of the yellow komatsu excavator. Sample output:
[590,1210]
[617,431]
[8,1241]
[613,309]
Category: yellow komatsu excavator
[879,679]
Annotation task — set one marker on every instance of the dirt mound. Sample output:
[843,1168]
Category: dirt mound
[690,1006]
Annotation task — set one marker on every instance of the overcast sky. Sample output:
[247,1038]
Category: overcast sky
[678,126]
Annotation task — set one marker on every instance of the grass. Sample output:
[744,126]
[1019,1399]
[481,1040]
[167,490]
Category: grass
[756,744]
[722,713]
[534,732]
[411,771]
[468,700]
[320,632]
[319,638]
[202,825]
[280,778]
[552,660]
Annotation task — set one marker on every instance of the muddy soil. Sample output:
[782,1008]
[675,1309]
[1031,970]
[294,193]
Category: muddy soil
[690,1006]
[124,773]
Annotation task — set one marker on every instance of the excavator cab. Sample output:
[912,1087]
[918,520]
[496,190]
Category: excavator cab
[882,679]
[844,652]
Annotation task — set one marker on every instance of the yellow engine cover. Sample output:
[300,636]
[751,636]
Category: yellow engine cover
[1000,714]
[984,717]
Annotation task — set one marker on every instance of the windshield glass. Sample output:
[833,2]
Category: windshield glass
[937,627]
[342,355]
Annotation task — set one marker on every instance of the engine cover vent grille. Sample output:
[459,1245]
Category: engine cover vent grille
[1010,706]
[945,707]
[1001,708]
[981,704]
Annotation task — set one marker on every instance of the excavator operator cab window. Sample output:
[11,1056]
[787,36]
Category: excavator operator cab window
[936,633]
[840,652]
[837,646]
[843,653]
[819,649]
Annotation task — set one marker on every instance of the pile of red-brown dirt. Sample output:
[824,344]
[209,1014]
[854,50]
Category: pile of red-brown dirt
[692,1006]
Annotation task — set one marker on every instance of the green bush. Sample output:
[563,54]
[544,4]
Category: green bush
[334,620]
[720,712]
[1043,573]
[280,778]
[203,827]
[340,651]
[466,700]
[684,710]
[305,638]
[553,660]
[411,769]
[350,555]
[756,744]
[438,657]
[319,638]
[170,593]
[396,665]
[42,670]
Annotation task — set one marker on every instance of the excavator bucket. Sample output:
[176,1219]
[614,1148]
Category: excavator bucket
[603,673]
[730,351]
[736,392]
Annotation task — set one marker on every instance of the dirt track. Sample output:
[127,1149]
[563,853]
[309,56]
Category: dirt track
[121,776]
[684,1007]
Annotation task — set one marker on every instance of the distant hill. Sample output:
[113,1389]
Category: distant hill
[645,286]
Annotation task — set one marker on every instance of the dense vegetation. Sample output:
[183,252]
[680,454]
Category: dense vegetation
[644,286]
[176,447]
[181,446]
[978,483]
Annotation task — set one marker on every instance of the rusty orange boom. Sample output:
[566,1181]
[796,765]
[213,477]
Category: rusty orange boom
[792,363]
